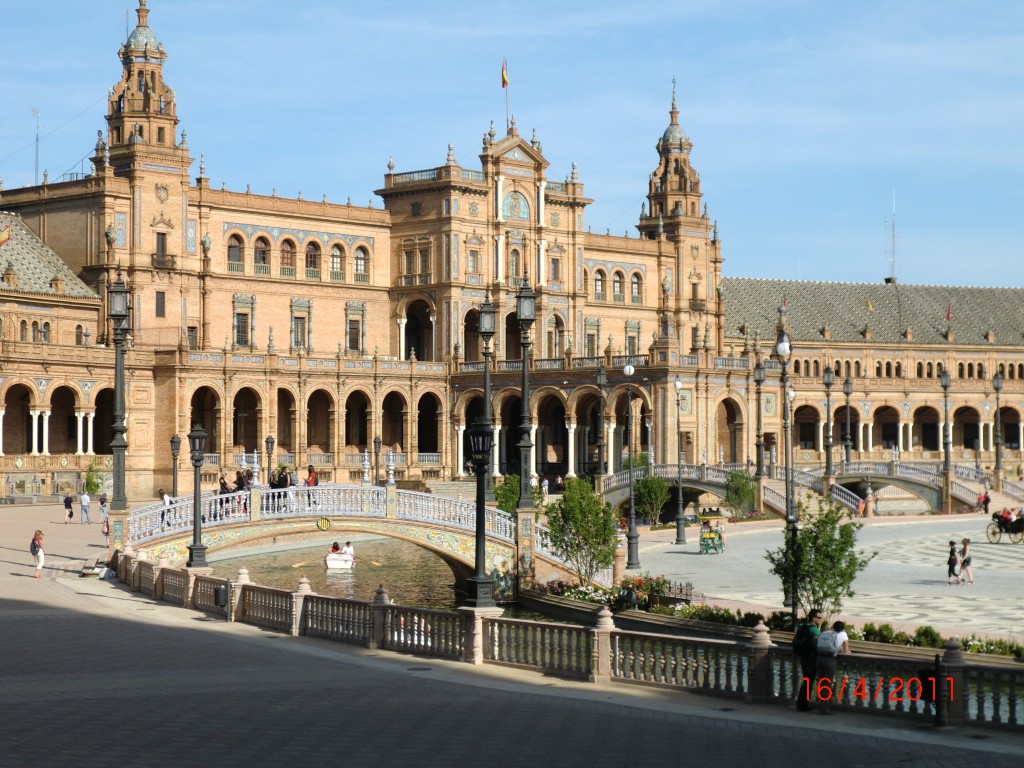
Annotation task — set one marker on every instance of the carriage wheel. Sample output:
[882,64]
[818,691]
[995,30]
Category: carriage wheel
[1016,537]
[994,533]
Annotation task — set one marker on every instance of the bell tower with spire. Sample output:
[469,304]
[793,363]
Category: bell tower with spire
[673,195]
[141,108]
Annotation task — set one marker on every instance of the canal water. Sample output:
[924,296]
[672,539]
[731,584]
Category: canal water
[411,575]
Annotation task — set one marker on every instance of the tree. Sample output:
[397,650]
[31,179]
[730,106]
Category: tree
[506,494]
[583,529]
[827,561]
[92,480]
[652,493]
[739,493]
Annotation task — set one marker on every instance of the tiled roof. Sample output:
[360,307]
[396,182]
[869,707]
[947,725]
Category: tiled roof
[35,263]
[847,309]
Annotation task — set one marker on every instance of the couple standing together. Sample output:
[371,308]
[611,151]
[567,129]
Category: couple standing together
[963,559]
[817,649]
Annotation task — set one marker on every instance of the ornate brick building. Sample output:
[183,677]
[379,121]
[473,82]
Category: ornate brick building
[326,326]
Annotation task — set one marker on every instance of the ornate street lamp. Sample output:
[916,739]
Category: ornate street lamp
[680,523]
[602,386]
[481,586]
[947,435]
[526,313]
[829,379]
[269,443]
[632,537]
[376,460]
[784,351]
[117,296]
[488,327]
[848,437]
[759,444]
[175,447]
[997,385]
[196,550]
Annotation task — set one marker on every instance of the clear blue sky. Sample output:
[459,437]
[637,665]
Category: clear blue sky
[804,115]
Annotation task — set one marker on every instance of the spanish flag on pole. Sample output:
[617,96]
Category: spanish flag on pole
[504,73]
[5,234]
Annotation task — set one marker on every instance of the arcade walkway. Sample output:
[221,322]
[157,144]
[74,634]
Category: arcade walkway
[94,674]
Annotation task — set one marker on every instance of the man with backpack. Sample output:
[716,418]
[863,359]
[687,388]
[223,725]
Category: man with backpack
[805,643]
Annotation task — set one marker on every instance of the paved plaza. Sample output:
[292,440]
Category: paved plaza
[904,585]
[93,673]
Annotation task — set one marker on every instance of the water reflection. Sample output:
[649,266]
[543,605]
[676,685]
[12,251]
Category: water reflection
[410,574]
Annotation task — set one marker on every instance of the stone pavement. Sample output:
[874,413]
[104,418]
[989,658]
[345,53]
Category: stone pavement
[904,585]
[92,673]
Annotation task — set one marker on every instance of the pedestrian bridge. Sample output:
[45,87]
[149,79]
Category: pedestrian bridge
[849,485]
[267,517]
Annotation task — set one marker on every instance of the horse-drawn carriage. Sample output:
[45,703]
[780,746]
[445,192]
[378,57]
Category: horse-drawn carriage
[1000,525]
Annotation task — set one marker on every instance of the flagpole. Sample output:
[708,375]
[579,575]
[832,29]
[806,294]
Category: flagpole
[504,87]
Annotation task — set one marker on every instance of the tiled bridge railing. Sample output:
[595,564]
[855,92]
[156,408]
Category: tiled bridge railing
[754,669]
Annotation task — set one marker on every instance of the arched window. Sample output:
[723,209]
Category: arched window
[337,267]
[599,285]
[24,330]
[796,367]
[362,265]
[79,335]
[920,370]
[288,258]
[878,369]
[981,370]
[261,256]
[617,285]
[513,262]
[235,253]
[312,260]
[888,370]
[960,370]
[970,370]
[928,368]
[44,333]
[817,369]
[856,369]
[635,289]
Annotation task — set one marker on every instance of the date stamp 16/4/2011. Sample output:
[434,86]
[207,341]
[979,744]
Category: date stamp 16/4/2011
[879,689]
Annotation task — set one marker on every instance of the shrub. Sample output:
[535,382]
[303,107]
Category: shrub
[927,637]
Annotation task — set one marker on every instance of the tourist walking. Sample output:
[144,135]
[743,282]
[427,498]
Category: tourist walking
[965,563]
[103,507]
[84,500]
[951,575]
[805,644]
[105,530]
[68,512]
[36,549]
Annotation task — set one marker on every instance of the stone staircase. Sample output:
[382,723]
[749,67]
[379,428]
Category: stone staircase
[464,490]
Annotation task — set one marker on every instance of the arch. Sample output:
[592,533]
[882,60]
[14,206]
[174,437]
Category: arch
[515,263]
[23,330]
[853,433]
[515,206]
[287,429]
[288,257]
[236,251]
[856,369]
[966,427]
[636,288]
[312,259]
[429,423]
[337,262]
[617,285]
[261,256]
[361,265]
[1009,424]
[472,343]
[205,410]
[599,285]
[513,341]
[554,336]
[17,431]
[419,331]
[63,437]
[79,335]
[729,429]
[886,421]
[103,422]
[357,421]
[246,410]
[551,437]
[320,422]
[925,433]
[508,408]
[392,421]
[805,427]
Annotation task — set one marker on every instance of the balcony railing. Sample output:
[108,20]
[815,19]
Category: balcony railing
[337,277]
[698,305]
[261,269]
[312,274]
[320,459]
[362,277]
[163,261]
[287,271]
[600,296]
[236,266]
[618,298]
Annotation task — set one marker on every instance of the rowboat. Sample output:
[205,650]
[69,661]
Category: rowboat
[339,562]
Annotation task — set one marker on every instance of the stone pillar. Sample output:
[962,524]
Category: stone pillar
[868,432]
[403,353]
[34,420]
[495,446]
[869,503]
[951,691]
[473,636]
[571,450]
[380,602]
[298,598]
[619,560]
[601,660]
[46,433]
[899,437]
[2,412]
[236,594]
[759,673]
[79,418]
[460,461]
[89,433]
[533,448]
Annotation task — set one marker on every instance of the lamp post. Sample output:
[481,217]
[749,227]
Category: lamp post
[848,437]
[117,295]
[269,443]
[481,586]
[947,438]
[632,537]
[488,312]
[829,379]
[680,523]
[196,550]
[376,460]
[997,385]
[759,444]
[526,313]
[783,351]
[175,447]
[602,385]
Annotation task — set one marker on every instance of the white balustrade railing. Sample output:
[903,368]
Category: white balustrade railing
[429,507]
[720,665]
[846,497]
[432,459]
[320,459]
[211,459]
[919,474]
